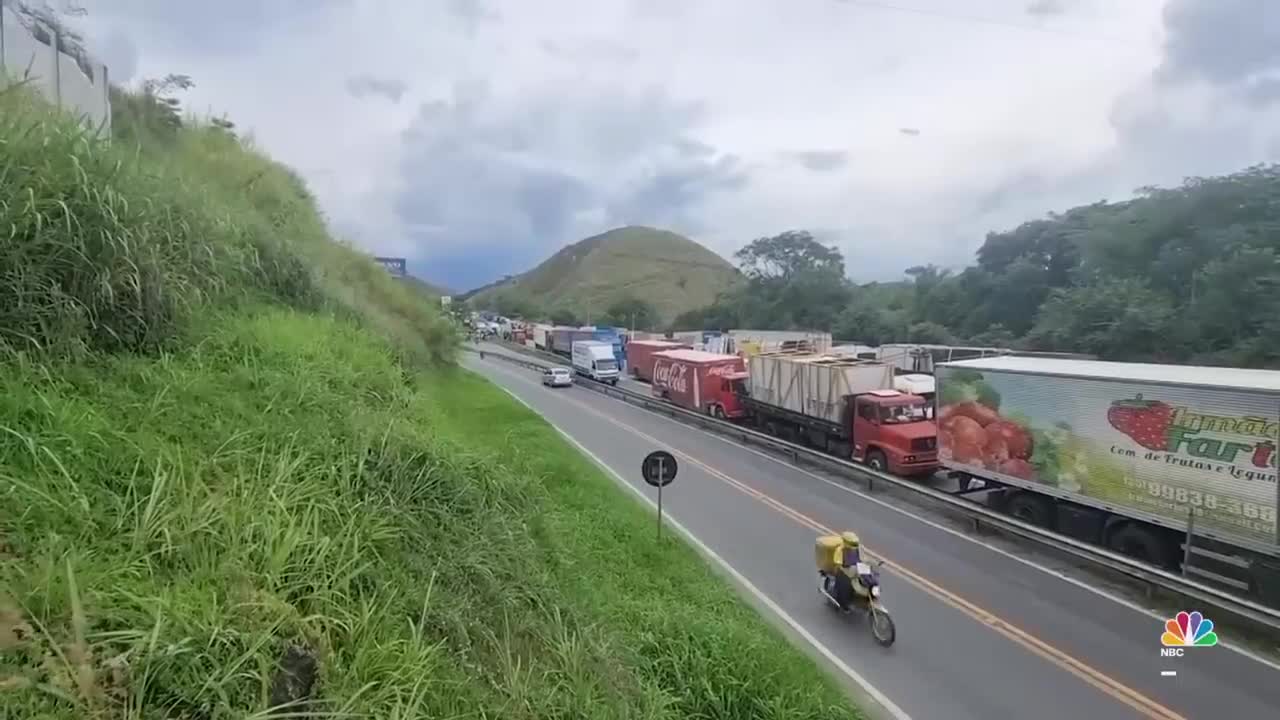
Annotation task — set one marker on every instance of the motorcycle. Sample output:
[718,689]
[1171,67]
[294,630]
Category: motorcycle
[869,604]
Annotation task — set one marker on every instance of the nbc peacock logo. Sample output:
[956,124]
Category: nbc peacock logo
[1188,630]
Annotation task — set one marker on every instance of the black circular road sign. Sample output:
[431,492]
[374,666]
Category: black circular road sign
[659,468]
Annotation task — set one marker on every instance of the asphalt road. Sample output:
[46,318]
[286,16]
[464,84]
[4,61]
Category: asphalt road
[981,634]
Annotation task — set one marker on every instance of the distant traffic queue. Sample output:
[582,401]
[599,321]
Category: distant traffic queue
[1126,455]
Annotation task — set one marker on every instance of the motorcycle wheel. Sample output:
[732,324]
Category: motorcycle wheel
[828,592]
[882,627]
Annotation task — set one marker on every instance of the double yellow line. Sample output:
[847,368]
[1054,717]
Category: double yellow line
[1121,692]
[1094,677]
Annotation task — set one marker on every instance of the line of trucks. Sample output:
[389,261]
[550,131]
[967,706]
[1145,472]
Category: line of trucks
[595,352]
[1125,455]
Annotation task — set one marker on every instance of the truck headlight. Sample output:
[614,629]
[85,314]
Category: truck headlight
[875,591]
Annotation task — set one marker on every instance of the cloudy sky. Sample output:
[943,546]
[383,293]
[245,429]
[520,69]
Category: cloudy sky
[475,137]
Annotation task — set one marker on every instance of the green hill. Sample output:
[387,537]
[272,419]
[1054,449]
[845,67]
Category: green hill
[670,271]
[426,288]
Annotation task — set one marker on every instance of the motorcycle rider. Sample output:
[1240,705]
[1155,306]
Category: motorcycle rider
[846,558]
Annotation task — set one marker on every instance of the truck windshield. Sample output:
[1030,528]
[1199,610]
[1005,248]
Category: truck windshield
[606,364]
[893,414]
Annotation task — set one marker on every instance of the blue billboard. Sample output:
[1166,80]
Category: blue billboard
[395,266]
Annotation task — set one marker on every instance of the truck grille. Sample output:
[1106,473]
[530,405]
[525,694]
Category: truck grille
[924,444]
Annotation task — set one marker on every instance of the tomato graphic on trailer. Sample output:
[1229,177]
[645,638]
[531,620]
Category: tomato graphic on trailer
[1162,449]
[1146,421]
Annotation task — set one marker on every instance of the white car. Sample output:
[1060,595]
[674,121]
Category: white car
[557,377]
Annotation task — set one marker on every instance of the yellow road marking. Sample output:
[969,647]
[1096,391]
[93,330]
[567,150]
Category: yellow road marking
[1117,690]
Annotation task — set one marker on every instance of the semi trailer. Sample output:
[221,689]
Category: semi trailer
[700,381]
[640,356]
[1132,456]
[843,406]
[754,342]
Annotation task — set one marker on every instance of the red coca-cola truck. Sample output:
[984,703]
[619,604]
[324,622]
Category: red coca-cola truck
[640,356]
[700,381]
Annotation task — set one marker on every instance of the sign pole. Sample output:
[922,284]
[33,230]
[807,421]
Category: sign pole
[659,469]
[1186,549]
[661,475]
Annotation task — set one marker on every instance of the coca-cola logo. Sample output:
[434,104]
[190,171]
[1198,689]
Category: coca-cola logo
[721,370]
[675,376]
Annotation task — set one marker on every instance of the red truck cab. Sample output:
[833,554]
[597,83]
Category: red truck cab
[700,381]
[894,432]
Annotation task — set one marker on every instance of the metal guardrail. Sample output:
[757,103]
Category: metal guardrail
[1205,597]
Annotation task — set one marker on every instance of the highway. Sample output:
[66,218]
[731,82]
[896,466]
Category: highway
[981,634]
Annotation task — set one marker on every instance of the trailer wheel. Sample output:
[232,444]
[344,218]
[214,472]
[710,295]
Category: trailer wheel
[876,461]
[1032,509]
[1140,543]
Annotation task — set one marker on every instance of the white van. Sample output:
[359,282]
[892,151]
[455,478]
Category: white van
[595,360]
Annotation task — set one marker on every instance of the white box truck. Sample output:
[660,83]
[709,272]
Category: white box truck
[594,359]
[1123,454]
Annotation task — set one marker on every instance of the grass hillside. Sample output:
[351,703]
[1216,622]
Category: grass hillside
[425,288]
[239,469]
[670,271]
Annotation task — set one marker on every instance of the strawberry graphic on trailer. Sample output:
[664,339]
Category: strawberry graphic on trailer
[1145,421]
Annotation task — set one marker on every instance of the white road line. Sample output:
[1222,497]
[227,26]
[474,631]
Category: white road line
[952,531]
[1032,564]
[1168,673]
[880,698]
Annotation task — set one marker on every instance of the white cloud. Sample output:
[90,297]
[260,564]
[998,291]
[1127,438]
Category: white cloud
[522,126]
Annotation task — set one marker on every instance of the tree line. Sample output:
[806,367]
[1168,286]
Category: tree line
[1187,275]
[627,311]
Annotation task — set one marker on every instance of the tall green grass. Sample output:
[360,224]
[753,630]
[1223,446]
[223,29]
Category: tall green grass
[173,524]
[233,452]
[689,633]
[115,246]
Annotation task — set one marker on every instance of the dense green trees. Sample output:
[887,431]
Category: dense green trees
[1185,274]
[631,312]
[627,311]
[513,304]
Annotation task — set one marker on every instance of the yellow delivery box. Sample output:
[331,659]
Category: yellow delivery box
[824,550]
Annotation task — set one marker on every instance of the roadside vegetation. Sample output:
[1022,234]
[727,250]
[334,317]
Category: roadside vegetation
[1185,274]
[238,468]
[1181,274]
